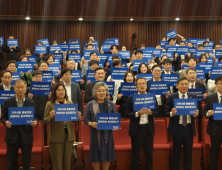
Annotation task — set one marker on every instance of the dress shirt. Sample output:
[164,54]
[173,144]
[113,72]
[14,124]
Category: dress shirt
[143,118]
[20,104]
[181,116]
[68,90]
[167,72]
[158,98]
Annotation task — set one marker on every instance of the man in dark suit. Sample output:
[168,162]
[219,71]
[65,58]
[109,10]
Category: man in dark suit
[193,84]
[18,136]
[141,129]
[181,127]
[99,74]
[214,128]
[161,99]
[72,89]
[6,78]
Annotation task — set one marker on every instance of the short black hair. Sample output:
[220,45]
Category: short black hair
[138,51]
[73,41]
[93,52]
[167,60]
[182,78]
[93,62]
[216,44]
[115,57]
[200,45]
[89,45]
[35,73]
[205,42]
[98,68]
[192,57]
[10,62]
[117,62]
[155,66]
[65,70]
[27,49]
[43,62]
[171,39]
[189,42]
[9,35]
[220,58]
[111,47]
[190,68]
[5,71]
[218,78]
[140,78]
[182,42]
[74,51]
[163,56]
[89,40]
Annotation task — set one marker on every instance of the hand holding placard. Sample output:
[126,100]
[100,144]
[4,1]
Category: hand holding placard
[93,124]
[174,111]
[8,124]
[196,113]
[210,112]
[34,123]
[52,114]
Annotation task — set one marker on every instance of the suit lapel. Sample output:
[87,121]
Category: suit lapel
[215,98]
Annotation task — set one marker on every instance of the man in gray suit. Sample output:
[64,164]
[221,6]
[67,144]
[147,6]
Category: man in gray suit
[72,89]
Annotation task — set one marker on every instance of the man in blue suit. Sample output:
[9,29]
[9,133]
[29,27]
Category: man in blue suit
[181,127]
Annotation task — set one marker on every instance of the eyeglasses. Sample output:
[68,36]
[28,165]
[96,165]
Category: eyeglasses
[141,84]
[67,74]
[156,71]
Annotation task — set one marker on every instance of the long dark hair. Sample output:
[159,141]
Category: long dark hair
[53,94]
[126,74]
[141,64]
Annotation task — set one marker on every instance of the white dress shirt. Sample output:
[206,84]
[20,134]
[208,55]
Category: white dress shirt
[190,85]
[68,90]
[7,89]
[167,72]
[181,116]
[158,98]
[143,118]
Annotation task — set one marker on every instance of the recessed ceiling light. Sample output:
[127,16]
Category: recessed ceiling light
[80,19]
[27,18]
[177,19]
[131,19]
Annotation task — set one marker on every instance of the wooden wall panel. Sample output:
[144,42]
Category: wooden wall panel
[149,33]
[112,8]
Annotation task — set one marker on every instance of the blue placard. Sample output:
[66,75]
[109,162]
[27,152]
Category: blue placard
[185,106]
[158,87]
[24,66]
[128,89]
[66,112]
[148,49]
[211,43]
[182,49]
[210,60]
[193,50]
[76,76]
[15,76]
[40,49]
[215,71]
[104,56]
[118,73]
[1,40]
[21,115]
[76,57]
[86,53]
[116,41]
[58,55]
[108,121]
[109,41]
[111,87]
[136,63]
[163,44]
[171,78]
[44,41]
[47,76]
[148,56]
[185,66]
[146,76]
[209,48]
[75,46]
[172,49]
[198,92]
[193,40]
[182,53]
[110,57]
[101,63]
[40,88]
[57,60]
[12,42]
[106,47]
[157,52]
[217,108]
[32,59]
[77,40]
[200,73]
[200,41]
[199,52]
[55,68]
[90,75]
[218,53]
[5,94]
[219,64]
[168,54]
[64,47]
[171,34]
[207,66]
[144,101]
[125,54]
[52,48]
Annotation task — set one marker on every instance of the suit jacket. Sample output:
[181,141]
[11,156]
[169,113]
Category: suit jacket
[88,92]
[213,125]
[11,55]
[134,121]
[174,121]
[56,132]
[108,73]
[77,96]
[12,133]
[199,85]
[2,88]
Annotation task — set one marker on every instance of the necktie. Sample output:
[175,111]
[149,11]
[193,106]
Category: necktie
[192,86]
[184,116]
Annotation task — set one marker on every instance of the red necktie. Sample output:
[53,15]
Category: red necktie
[192,86]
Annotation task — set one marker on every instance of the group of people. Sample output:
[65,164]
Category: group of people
[64,91]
